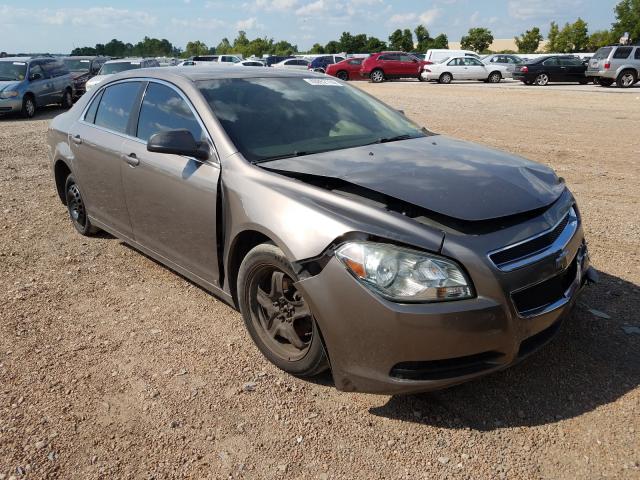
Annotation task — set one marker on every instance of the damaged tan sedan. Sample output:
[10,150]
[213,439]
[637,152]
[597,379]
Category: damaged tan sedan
[349,237]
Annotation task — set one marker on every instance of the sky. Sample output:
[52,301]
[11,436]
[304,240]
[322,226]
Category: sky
[59,26]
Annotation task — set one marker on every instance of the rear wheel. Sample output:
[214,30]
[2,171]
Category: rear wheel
[76,208]
[445,78]
[28,107]
[276,315]
[542,80]
[627,79]
[377,76]
[67,99]
[495,77]
[342,75]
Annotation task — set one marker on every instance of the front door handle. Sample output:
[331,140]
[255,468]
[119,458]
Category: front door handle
[77,139]
[131,159]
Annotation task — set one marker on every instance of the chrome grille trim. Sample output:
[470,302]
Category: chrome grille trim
[558,244]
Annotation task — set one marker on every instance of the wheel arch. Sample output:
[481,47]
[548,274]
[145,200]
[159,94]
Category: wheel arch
[61,171]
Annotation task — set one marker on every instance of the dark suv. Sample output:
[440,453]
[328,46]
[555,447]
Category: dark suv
[82,69]
[387,65]
[320,64]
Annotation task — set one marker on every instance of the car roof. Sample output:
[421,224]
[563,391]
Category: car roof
[128,59]
[213,72]
[83,57]
[26,59]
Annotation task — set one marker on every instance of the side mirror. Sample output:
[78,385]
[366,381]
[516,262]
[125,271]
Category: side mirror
[35,76]
[178,142]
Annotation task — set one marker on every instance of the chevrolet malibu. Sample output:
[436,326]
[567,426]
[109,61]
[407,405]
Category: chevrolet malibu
[348,237]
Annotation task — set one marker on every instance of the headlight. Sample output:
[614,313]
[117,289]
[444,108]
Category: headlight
[9,94]
[404,275]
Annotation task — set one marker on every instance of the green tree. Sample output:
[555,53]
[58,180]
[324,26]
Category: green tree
[423,39]
[333,47]
[224,47]
[529,41]
[401,40]
[601,38]
[552,37]
[374,45]
[441,41]
[285,48]
[241,43]
[195,48]
[317,49]
[478,39]
[627,19]
[574,37]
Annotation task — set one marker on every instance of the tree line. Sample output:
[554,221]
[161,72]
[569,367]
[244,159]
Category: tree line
[570,38]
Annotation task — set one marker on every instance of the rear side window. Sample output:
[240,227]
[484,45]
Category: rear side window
[622,52]
[570,62]
[116,105]
[163,109]
[637,55]
[602,53]
[90,116]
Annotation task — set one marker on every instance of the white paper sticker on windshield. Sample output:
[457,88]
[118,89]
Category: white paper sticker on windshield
[19,63]
[85,61]
[135,63]
[326,82]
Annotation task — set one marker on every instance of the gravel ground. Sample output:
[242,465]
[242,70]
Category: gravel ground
[112,366]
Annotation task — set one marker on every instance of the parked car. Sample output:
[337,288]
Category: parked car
[436,55]
[379,67]
[224,59]
[411,260]
[463,68]
[292,64]
[553,68]
[273,59]
[250,63]
[510,62]
[83,68]
[616,63]
[112,67]
[348,69]
[320,64]
[28,83]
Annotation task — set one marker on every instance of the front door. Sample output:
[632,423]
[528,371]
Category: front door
[40,85]
[475,69]
[552,67]
[96,141]
[171,198]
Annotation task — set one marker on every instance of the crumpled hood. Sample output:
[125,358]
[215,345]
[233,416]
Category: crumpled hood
[458,179]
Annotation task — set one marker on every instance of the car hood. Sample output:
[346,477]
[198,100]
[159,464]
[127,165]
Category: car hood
[8,84]
[98,78]
[458,179]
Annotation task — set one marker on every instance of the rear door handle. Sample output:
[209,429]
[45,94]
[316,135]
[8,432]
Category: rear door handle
[131,159]
[76,139]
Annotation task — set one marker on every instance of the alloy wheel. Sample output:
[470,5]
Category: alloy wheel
[280,315]
[30,107]
[627,80]
[495,77]
[377,76]
[542,79]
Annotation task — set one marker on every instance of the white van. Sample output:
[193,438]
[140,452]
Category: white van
[436,55]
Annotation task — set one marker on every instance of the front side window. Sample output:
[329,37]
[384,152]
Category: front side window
[76,65]
[163,109]
[13,71]
[355,61]
[570,62]
[36,71]
[116,105]
[268,118]
[622,52]
[472,62]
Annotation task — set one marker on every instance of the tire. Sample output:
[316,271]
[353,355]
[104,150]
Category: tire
[76,208]
[494,77]
[28,106]
[67,99]
[342,75]
[604,82]
[445,78]
[275,314]
[542,80]
[627,79]
[377,76]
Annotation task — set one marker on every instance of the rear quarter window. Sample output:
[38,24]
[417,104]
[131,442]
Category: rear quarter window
[622,52]
[602,53]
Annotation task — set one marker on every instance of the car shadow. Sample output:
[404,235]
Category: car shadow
[593,361]
[42,113]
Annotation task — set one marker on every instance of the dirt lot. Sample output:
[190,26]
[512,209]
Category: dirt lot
[112,366]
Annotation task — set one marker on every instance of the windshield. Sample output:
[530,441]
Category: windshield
[602,53]
[75,65]
[12,71]
[109,68]
[269,118]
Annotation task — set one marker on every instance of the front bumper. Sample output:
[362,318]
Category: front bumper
[9,105]
[378,346]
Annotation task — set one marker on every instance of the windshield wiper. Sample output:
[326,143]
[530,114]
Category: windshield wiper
[397,138]
[280,157]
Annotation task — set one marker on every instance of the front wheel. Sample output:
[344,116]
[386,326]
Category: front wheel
[377,76]
[276,315]
[542,80]
[28,107]
[77,209]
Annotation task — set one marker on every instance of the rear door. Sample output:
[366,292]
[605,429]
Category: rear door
[458,69]
[97,141]
[171,198]
[552,67]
